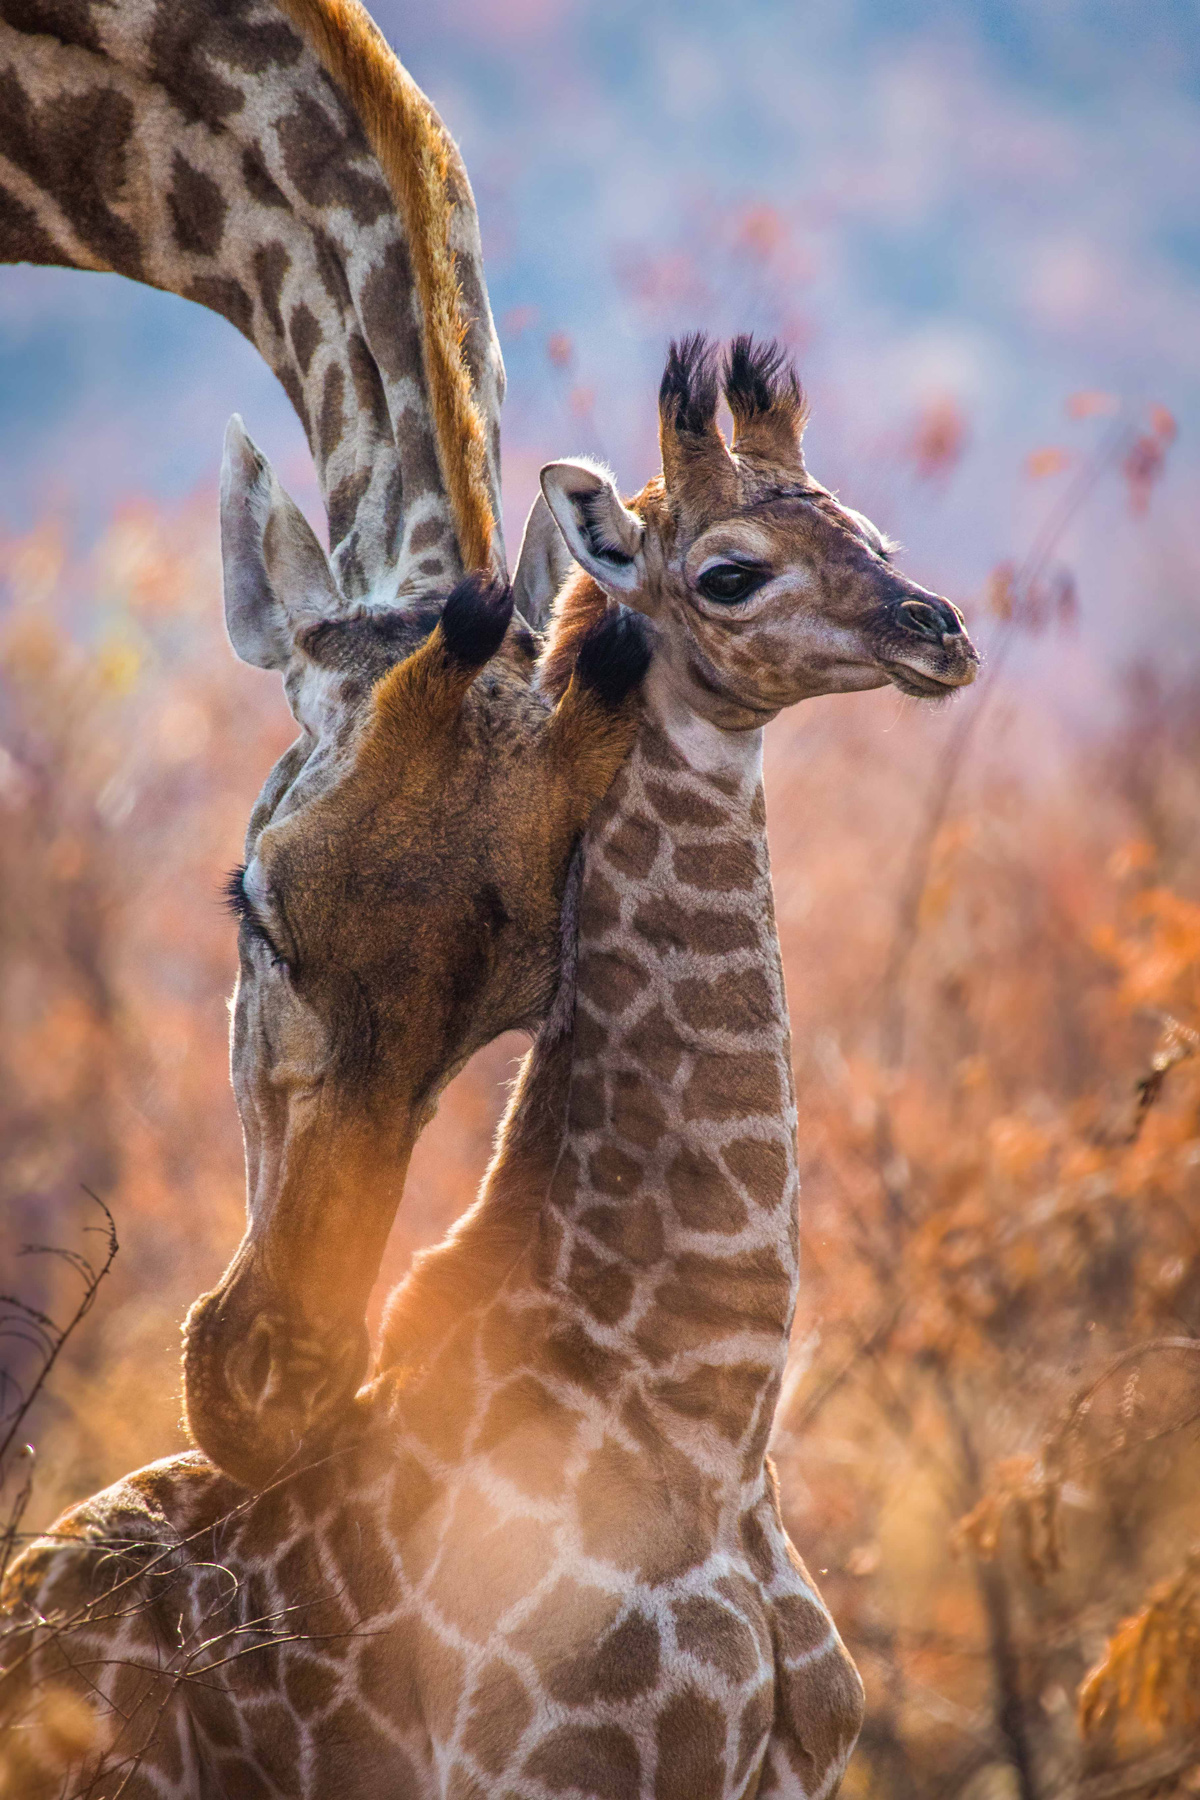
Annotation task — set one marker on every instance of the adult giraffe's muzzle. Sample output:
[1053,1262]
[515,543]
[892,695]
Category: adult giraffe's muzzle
[274,1354]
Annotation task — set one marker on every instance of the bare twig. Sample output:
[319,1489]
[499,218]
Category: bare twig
[1177,1044]
[1056,1448]
[10,1535]
[894,1005]
[27,1324]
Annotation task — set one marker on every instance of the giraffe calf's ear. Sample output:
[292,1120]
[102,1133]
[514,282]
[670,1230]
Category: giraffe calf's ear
[601,533]
[277,577]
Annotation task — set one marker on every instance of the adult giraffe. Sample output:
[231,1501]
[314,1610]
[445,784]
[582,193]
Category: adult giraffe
[406,858]
[545,1555]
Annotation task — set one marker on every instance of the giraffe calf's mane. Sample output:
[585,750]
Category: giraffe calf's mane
[581,602]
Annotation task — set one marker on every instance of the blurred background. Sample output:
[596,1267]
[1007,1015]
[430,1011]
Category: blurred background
[976,225]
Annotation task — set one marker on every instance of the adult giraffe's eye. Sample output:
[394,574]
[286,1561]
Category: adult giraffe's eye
[727,583]
[242,907]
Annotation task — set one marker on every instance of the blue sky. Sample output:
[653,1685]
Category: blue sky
[966,202]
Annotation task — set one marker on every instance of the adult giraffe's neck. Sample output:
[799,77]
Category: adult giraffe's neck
[669,1226]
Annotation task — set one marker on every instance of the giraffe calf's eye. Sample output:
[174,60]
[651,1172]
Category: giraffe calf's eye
[727,583]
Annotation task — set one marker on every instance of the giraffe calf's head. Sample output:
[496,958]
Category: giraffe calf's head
[766,588]
[398,908]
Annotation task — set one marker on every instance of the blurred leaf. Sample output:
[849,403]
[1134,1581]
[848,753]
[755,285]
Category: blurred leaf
[1148,1681]
[1091,403]
[938,439]
[1001,591]
[1163,425]
[1051,461]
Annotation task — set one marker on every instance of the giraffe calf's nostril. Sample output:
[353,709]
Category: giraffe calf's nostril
[925,620]
[934,619]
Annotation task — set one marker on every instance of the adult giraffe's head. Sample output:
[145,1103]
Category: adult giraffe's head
[398,908]
[765,589]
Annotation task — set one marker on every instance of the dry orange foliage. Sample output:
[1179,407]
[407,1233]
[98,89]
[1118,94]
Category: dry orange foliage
[1148,1682]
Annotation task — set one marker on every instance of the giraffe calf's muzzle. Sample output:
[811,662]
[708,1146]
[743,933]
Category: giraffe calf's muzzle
[926,651]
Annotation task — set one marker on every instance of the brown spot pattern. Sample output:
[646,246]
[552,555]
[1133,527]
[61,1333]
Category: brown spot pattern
[690,1738]
[197,206]
[599,1760]
[501,1710]
[631,848]
[624,1664]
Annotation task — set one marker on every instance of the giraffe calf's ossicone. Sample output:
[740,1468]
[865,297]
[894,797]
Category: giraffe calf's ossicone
[399,908]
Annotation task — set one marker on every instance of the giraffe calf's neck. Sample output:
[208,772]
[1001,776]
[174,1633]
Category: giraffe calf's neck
[670,1224]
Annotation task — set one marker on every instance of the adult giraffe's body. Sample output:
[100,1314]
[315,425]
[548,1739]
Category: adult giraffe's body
[545,1556]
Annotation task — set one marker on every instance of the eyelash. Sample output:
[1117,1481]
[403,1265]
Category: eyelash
[238,903]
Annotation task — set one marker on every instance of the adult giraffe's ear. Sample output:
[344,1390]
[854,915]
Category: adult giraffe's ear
[601,533]
[277,577]
[543,565]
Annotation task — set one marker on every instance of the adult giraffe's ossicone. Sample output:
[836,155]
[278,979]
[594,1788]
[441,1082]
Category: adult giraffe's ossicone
[406,859]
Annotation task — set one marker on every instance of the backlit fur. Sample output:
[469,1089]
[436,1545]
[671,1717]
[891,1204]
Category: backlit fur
[423,169]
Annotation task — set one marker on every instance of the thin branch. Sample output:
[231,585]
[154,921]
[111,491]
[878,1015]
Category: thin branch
[58,1337]
[894,1009]
[1178,1043]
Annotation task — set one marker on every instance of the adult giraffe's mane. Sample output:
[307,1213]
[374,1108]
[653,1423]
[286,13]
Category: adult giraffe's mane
[415,154]
[274,161]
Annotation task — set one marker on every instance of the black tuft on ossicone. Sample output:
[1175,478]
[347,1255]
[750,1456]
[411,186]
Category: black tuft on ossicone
[688,393]
[758,377]
[614,655]
[475,618]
